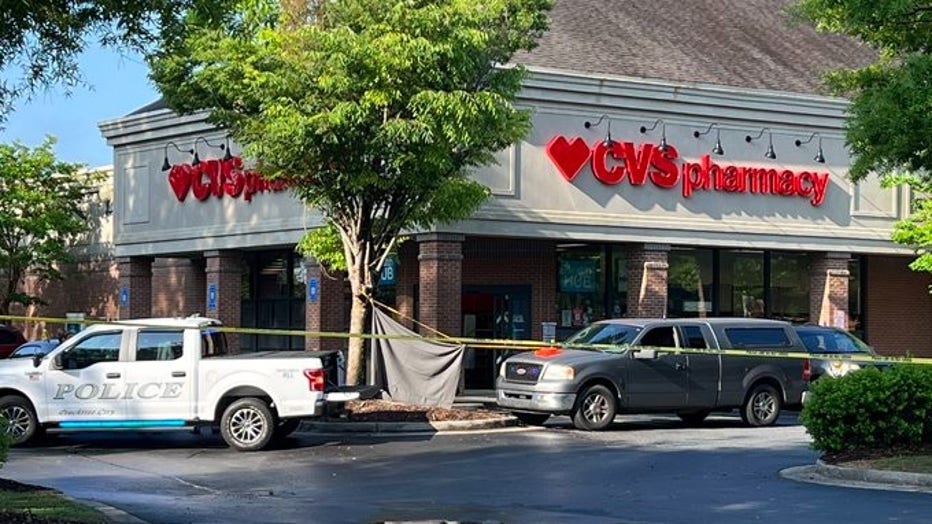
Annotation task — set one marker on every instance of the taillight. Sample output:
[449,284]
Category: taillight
[315,379]
[807,370]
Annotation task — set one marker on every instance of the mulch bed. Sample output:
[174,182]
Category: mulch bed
[388,411]
[857,455]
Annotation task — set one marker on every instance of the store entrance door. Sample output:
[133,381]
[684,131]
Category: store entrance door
[493,312]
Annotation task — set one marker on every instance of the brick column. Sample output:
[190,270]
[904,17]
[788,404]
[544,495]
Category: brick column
[135,293]
[224,272]
[405,283]
[325,310]
[440,284]
[647,281]
[828,288]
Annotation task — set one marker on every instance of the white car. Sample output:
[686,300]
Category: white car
[166,373]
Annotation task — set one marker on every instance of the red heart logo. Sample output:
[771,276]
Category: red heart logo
[180,180]
[568,156]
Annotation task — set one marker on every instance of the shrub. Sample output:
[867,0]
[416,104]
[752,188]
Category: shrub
[871,409]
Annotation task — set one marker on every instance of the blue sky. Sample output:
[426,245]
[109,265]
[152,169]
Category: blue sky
[118,85]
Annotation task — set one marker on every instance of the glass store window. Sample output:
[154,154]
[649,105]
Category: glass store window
[580,288]
[273,297]
[741,284]
[789,287]
[689,282]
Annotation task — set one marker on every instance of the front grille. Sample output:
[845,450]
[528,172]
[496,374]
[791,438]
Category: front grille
[522,372]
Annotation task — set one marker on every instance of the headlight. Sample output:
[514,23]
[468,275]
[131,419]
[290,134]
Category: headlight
[501,370]
[559,372]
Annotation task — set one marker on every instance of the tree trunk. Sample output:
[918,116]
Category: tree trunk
[355,360]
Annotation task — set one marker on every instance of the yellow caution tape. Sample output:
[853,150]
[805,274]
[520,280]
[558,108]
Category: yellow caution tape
[504,344]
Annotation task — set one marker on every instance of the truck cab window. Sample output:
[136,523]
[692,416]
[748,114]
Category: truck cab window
[659,337]
[693,338]
[159,345]
[101,347]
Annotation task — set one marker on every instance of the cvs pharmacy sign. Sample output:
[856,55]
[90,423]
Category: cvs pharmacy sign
[612,162]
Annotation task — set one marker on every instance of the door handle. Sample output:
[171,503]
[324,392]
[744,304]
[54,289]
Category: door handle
[178,373]
[113,375]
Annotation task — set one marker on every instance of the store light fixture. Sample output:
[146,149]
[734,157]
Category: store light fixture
[165,165]
[717,149]
[770,152]
[663,132]
[820,158]
[608,136]
[197,159]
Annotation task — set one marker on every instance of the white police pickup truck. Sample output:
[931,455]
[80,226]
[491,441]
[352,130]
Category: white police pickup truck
[166,373]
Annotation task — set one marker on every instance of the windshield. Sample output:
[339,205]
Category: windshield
[832,341]
[605,333]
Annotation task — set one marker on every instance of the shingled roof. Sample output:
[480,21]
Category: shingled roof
[742,43]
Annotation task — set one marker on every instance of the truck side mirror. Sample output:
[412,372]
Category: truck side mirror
[57,361]
[37,359]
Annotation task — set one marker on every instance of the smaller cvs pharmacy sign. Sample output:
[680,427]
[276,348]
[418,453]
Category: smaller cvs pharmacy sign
[614,162]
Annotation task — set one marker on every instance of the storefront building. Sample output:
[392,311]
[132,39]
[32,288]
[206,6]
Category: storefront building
[678,175]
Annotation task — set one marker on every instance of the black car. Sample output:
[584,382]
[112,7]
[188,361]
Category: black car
[829,341]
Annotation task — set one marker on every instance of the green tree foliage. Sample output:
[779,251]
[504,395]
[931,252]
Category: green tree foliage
[42,211]
[891,99]
[890,117]
[40,40]
[373,111]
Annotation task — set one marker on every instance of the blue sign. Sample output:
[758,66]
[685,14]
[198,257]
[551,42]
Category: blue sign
[211,297]
[313,291]
[389,270]
[124,296]
[578,276]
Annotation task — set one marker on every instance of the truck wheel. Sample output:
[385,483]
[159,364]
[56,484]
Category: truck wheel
[693,418]
[285,427]
[595,409]
[531,419]
[762,407]
[23,424]
[247,424]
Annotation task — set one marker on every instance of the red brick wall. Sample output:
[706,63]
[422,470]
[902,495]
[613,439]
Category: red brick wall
[828,288]
[88,287]
[515,262]
[135,274]
[329,313]
[179,287]
[440,287]
[225,269]
[898,307]
[647,282]
[406,280]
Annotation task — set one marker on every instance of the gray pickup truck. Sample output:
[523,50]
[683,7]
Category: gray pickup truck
[628,372]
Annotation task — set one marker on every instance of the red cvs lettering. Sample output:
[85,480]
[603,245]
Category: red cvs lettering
[218,178]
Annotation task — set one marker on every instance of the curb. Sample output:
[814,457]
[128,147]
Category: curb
[407,427]
[900,478]
[827,474]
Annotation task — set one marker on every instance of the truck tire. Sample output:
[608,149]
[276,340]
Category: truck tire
[762,407]
[595,409]
[531,419]
[23,424]
[693,418]
[247,424]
